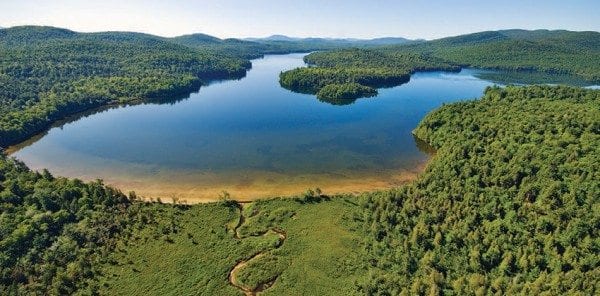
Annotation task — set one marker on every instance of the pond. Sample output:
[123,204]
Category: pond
[252,138]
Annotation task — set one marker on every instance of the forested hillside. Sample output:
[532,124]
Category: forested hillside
[509,204]
[557,52]
[49,73]
[54,232]
[553,52]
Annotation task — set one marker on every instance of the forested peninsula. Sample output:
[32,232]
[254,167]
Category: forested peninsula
[553,52]
[49,73]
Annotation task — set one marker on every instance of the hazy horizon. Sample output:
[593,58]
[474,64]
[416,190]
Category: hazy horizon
[332,19]
[291,36]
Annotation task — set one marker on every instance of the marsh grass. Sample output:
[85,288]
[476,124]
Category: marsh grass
[198,249]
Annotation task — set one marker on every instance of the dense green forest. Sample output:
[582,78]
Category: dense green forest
[509,204]
[49,73]
[575,54]
[54,232]
[344,93]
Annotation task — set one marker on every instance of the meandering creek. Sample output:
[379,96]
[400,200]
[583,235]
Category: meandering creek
[250,291]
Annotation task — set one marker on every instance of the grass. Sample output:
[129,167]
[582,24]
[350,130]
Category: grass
[188,250]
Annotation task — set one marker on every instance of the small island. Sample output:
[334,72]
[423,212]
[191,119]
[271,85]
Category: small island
[345,92]
[330,83]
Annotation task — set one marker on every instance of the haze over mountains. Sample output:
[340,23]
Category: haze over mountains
[373,41]
[205,38]
[196,39]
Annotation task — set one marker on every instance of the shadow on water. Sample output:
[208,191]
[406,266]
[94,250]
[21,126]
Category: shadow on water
[350,101]
[338,102]
[502,77]
[424,146]
[167,100]
[378,85]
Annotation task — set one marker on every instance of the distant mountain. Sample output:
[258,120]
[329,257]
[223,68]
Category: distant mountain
[277,44]
[23,35]
[349,41]
[196,39]
[390,40]
[587,39]
[547,51]
[273,38]
[281,38]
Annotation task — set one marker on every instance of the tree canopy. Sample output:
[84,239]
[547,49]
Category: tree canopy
[508,205]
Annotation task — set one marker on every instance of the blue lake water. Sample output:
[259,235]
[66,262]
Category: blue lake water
[252,138]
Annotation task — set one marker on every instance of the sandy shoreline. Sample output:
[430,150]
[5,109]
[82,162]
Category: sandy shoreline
[253,185]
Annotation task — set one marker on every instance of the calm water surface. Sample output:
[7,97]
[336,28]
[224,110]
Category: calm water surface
[252,138]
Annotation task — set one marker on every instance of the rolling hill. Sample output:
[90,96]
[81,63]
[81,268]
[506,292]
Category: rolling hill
[49,73]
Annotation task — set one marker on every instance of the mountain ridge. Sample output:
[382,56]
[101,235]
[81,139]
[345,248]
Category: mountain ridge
[377,40]
[50,32]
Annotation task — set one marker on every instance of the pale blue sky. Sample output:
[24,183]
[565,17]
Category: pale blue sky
[337,18]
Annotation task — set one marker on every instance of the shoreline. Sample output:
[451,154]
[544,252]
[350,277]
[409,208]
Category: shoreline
[248,186]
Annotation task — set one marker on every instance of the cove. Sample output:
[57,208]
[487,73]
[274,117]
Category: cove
[251,138]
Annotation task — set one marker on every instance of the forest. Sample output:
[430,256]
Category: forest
[49,73]
[575,54]
[508,205]
[55,232]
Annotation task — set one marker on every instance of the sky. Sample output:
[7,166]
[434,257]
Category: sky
[427,19]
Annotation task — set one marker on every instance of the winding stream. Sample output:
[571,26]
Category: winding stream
[242,263]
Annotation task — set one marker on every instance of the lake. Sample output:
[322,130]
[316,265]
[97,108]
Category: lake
[252,138]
